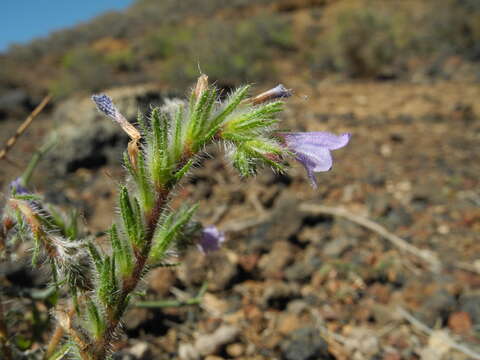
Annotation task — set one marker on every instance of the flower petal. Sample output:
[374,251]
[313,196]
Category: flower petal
[320,138]
[319,157]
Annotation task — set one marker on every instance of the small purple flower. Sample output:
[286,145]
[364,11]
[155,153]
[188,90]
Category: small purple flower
[312,150]
[105,105]
[18,187]
[211,239]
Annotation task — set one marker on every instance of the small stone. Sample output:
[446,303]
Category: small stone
[273,263]
[193,269]
[188,352]
[214,305]
[248,262]
[305,344]
[364,340]
[436,305]
[134,317]
[224,270]
[211,343]
[392,355]
[288,323]
[278,294]
[285,221]
[235,349]
[337,246]
[460,322]
[140,350]
[161,281]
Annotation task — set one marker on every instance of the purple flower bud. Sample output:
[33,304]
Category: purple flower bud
[105,105]
[277,92]
[211,239]
[312,150]
[17,186]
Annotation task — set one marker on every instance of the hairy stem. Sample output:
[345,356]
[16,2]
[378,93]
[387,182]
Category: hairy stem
[101,346]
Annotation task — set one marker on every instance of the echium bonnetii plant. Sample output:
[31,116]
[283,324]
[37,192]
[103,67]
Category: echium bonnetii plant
[163,148]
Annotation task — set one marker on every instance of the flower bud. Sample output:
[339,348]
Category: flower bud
[277,92]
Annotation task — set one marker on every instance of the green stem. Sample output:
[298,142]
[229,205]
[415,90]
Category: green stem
[37,156]
[98,350]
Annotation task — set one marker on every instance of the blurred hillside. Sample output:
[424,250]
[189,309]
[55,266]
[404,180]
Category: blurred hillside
[166,42]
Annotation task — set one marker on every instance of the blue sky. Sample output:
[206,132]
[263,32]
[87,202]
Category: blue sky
[23,20]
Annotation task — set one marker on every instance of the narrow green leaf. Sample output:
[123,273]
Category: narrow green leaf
[230,105]
[160,150]
[104,281]
[183,170]
[95,255]
[254,120]
[169,232]
[142,124]
[144,185]
[178,132]
[95,319]
[207,111]
[121,251]
[140,230]
[107,288]
[194,122]
[242,164]
[128,216]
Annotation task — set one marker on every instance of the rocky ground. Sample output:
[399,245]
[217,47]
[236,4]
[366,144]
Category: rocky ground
[304,275]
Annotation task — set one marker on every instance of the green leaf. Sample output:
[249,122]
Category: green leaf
[251,123]
[144,185]
[95,319]
[178,133]
[121,251]
[252,152]
[206,113]
[230,105]
[95,255]
[128,217]
[183,170]
[107,288]
[142,124]
[196,117]
[169,232]
[242,162]
[159,148]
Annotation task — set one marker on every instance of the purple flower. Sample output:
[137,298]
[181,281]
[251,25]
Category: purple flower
[105,105]
[312,150]
[211,239]
[18,187]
